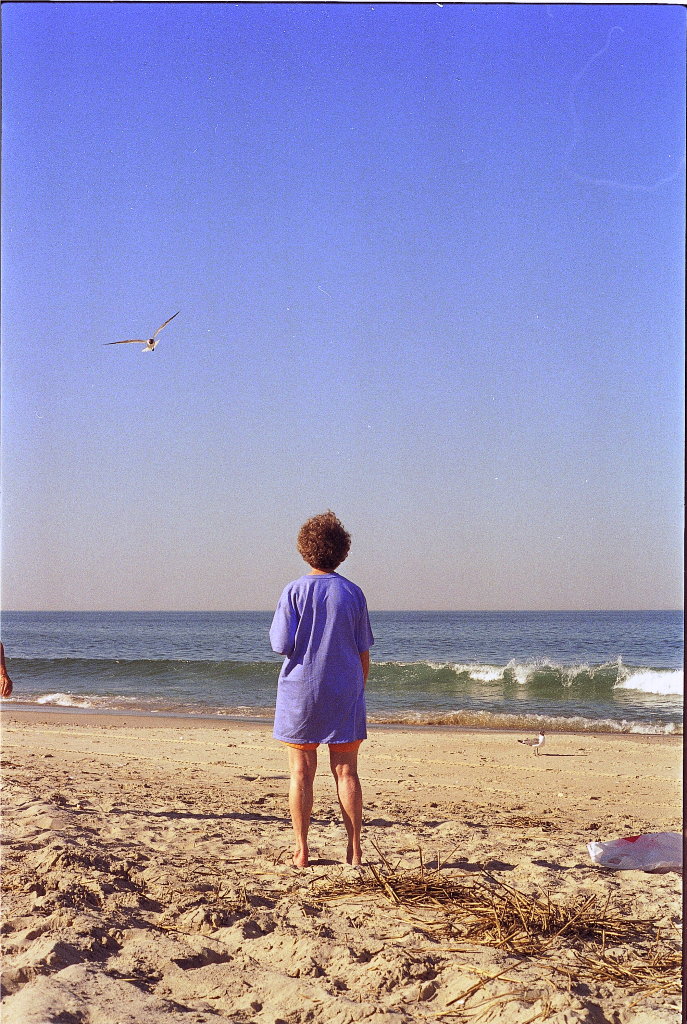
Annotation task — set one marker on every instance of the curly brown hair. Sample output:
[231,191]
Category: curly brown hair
[323,542]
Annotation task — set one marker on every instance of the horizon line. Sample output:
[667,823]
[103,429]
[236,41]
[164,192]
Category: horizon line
[261,611]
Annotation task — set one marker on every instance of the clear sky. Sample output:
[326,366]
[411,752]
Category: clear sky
[429,267]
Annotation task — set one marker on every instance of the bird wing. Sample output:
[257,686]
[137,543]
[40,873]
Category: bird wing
[165,323]
[129,341]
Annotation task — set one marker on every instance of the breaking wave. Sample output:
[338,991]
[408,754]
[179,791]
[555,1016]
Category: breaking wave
[533,722]
[608,697]
[543,675]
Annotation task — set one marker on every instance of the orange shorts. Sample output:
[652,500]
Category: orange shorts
[345,748]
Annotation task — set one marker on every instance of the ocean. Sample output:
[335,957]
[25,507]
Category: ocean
[561,671]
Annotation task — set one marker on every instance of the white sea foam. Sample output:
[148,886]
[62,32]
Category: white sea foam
[66,700]
[483,673]
[521,673]
[668,681]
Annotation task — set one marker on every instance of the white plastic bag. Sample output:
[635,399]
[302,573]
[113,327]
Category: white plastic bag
[655,851]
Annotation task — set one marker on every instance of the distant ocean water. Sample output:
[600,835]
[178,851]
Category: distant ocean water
[572,671]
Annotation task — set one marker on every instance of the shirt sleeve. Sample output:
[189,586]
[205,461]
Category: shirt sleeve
[364,637]
[284,623]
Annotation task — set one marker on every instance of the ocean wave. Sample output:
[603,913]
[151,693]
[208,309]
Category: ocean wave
[66,700]
[518,722]
[544,678]
[541,675]
[653,681]
[89,701]
[142,668]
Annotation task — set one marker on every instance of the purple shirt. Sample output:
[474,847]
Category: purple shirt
[322,626]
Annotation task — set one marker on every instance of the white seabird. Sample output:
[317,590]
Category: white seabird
[535,744]
[150,343]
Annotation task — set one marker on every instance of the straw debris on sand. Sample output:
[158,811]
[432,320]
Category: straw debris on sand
[147,880]
[488,911]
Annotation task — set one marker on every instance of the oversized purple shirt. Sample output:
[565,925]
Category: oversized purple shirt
[322,626]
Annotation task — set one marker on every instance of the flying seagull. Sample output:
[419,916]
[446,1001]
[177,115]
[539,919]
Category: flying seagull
[150,343]
[535,744]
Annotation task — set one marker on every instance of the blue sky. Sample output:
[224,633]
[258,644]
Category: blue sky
[429,268]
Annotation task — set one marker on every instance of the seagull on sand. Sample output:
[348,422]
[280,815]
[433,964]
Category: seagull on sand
[535,744]
[150,343]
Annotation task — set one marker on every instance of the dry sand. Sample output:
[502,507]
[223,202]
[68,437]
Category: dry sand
[148,878]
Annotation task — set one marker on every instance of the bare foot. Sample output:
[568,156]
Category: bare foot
[300,858]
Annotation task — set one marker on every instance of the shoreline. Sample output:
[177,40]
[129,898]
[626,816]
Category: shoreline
[151,719]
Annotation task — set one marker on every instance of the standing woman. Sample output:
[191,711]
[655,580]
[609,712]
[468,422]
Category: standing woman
[322,626]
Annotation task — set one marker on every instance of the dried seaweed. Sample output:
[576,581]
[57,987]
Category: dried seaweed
[488,911]
[658,969]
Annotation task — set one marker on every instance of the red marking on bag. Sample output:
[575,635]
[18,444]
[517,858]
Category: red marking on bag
[631,839]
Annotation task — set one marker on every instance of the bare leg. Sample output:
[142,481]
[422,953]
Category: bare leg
[302,765]
[345,771]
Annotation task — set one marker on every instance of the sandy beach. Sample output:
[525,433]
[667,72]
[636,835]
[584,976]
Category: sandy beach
[147,875]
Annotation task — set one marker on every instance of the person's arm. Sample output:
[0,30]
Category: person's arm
[5,681]
[284,623]
[365,662]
